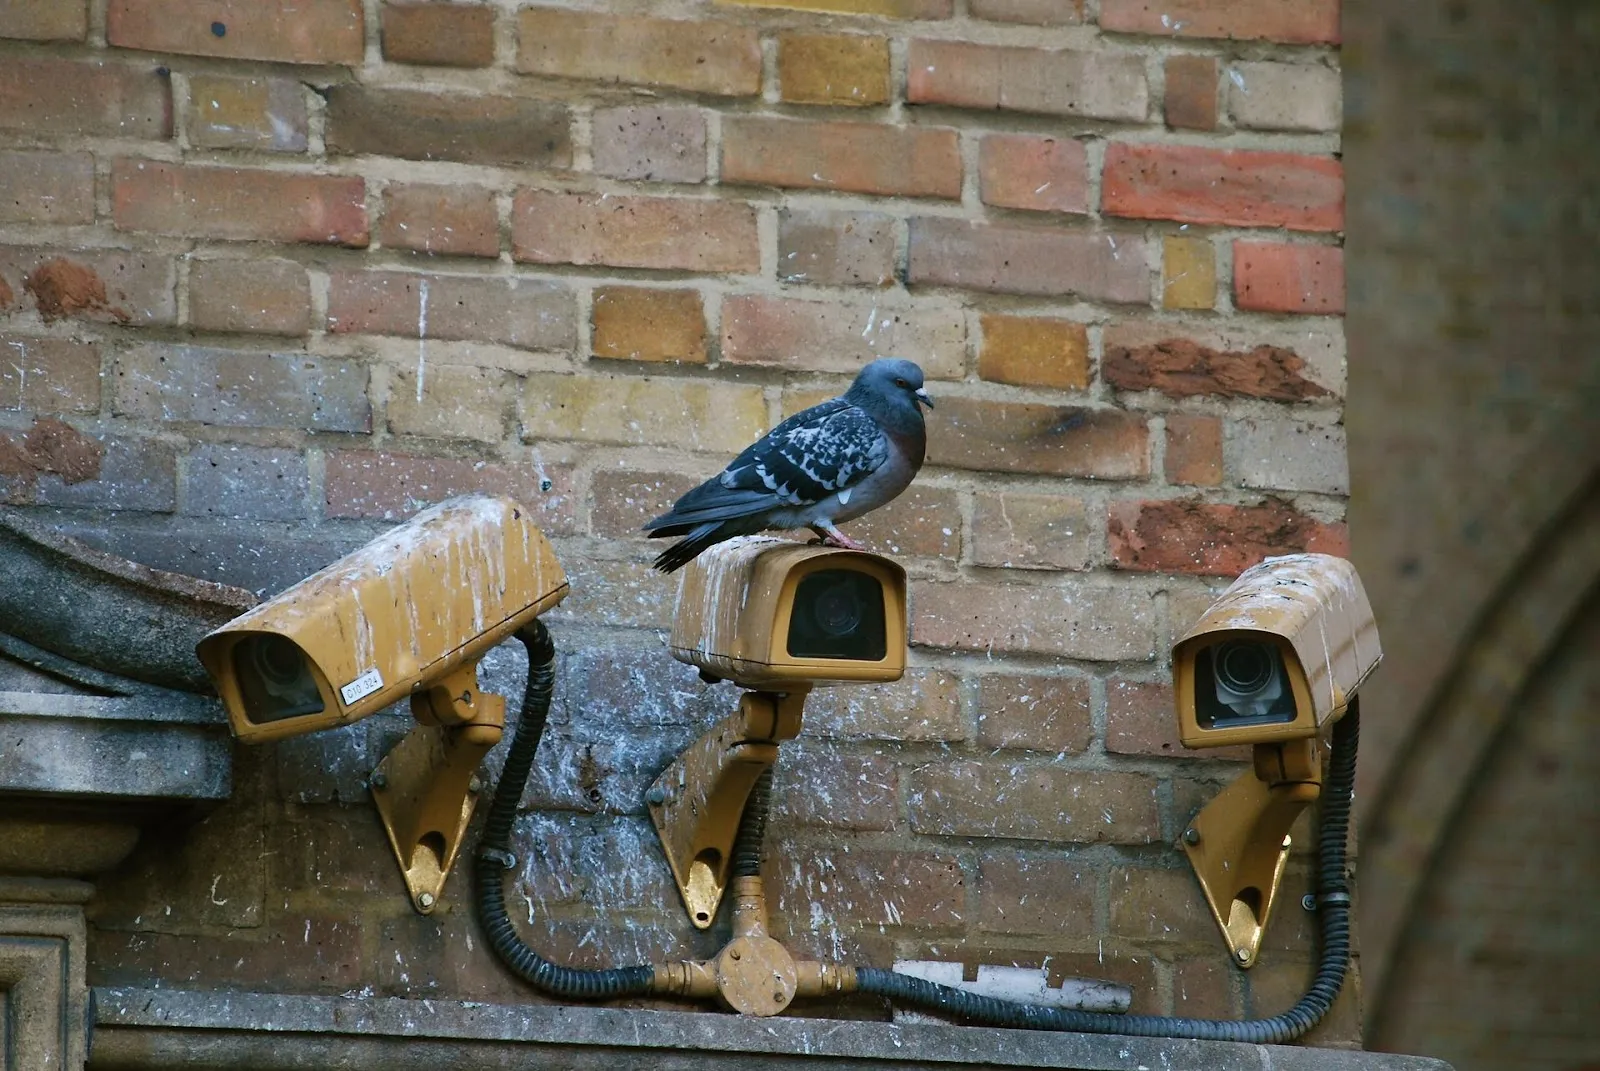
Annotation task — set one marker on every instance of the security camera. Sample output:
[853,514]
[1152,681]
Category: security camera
[409,614]
[1278,656]
[766,613]
[389,620]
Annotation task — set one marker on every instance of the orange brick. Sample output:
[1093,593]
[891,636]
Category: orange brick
[1272,277]
[1191,101]
[636,323]
[703,57]
[1073,618]
[439,34]
[1019,531]
[1188,273]
[1040,174]
[634,232]
[46,187]
[1194,450]
[452,220]
[448,402]
[719,418]
[829,336]
[247,113]
[1025,437]
[45,20]
[238,203]
[49,375]
[833,69]
[92,98]
[859,157]
[1035,713]
[289,31]
[1032,351]
[1095,85]
[1297,22]
[1192,184]
[259,295]
[1190,536]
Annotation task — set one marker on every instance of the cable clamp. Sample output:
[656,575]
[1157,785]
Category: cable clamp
[1332,899]
[504,858]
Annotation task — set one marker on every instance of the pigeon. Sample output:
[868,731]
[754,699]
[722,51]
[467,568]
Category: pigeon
[827,464]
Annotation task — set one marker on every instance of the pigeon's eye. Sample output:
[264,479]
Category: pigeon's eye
[901,383]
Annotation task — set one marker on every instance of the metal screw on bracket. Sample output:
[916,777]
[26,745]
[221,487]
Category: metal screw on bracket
[377,780]
[425,900]
[657,795]
[1191,836]
[475,786]
[1309,901]
[1243,955]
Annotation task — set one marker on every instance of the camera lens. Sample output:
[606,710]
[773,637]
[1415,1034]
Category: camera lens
[275,679]
[277,660]
[838,610]
[1242,682]
[838,613]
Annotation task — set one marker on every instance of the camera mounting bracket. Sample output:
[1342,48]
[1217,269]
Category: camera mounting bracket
[426,787]
[1239,842]
[697,801]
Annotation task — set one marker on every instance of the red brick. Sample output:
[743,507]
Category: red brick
[247,113]
[530,314]
[1194,450]
[1235,187]
[63,467]
[655,143]
[921,522]
[391,486]
[1094,85]
[872,886]
[49,375]
[624,499]
[289,31]
[925,704]
[1052,440]
[1226,362]
[1039,894]
[1272,277]
[1036,713]
[1203,988]
[1020,531]
[858,157]
[719,58]
[886,9]
[1160,905]
[1276,985]
[1035,173]
[1191,536]
[321,952]
[238,203]
[106,285]
[454,220]
[45,20]
[1191,101]
[1296,22]
[416,124]
[1026,802]
[1141,719]
[1028,260]
[1285,96]
[265,296]
[634,232]
[246,482]
[1032,351]
[46,187]
[1076,619]
[836,248]
[1036,12]
[438,34]
[827,336]
[636,323]
[817,785]
[833,69]
[93,98]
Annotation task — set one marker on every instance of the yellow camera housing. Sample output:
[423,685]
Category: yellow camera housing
[399,614]
[1277,656]
[766,612]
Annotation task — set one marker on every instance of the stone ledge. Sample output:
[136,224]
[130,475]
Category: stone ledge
[150,1028]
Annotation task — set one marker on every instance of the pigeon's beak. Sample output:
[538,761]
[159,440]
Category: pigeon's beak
[922,396]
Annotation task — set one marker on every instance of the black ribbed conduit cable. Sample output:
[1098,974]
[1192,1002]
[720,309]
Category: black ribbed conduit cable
[745,861]
[494,858]
[1333,916]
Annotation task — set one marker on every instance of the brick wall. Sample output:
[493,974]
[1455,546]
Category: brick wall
[271,281]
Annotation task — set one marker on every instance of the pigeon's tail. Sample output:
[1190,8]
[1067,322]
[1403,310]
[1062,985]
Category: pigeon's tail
[685,550]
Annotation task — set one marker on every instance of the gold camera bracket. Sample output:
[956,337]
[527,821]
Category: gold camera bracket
[697,802]
[1239,842]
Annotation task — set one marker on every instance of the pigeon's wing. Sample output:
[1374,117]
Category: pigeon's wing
[819,452]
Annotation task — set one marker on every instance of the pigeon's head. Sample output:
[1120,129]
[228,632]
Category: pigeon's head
[891,387]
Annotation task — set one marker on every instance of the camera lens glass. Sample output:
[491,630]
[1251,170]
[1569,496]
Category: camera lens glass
[1242,682]
[275,679]
[838,613]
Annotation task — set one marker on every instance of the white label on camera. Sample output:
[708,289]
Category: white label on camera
[362,686]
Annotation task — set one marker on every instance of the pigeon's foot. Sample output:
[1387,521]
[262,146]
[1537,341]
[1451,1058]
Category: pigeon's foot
[832,537]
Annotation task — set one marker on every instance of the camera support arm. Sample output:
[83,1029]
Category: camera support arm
[1239,842]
